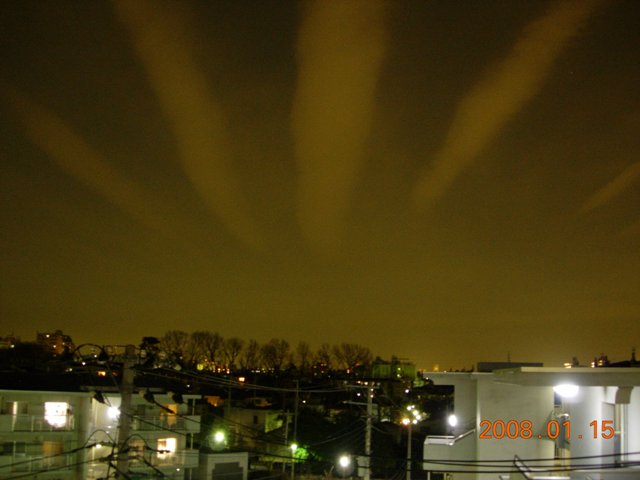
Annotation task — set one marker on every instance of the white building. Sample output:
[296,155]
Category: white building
[71,435]
[512,421]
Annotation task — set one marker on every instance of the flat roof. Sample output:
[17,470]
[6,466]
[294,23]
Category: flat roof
[582,376]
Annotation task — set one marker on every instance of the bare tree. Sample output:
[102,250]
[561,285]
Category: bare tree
[275,353]
[180,348]
[232,348]
[250,359]
[303,354]
[323,356]
[173,344]
[351,355]
[209,346]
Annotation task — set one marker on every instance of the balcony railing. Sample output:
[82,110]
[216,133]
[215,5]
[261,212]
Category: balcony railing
[36,463]
[35,423]
[155,423]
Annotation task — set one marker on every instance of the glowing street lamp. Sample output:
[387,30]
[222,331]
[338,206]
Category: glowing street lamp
[413,417]
[345,465]
[566,390]
[452,420]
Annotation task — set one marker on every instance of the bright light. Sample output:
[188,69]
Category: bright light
[452,420]
[406,421]
[55,413]
[294,447]
[219,437]
[113,412]
[167,445]
[566,390]
[344,461]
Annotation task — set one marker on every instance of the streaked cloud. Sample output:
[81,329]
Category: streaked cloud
[160,34]
[341,48]
[70,151]
[500,94]
[613,189]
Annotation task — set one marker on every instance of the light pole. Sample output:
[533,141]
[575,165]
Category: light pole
[412,418]
[409,425]
[294,447]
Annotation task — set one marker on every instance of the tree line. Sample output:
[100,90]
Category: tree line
[210,351]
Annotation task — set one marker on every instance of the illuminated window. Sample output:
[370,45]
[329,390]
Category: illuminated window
[167,445]
[55,413]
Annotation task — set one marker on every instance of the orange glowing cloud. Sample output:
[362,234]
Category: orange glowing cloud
[78,159]
[613,189]
[341,48]
[500,94]
[160,34]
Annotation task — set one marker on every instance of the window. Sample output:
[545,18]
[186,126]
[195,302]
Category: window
[6,448]
[168,445]
[55,413]
[52,453]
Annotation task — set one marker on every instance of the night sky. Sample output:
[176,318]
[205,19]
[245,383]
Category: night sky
[446,181]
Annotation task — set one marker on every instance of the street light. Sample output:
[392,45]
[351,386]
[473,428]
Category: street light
[294,447]
[566,390]
[452,420]
[345,466]
[413,418]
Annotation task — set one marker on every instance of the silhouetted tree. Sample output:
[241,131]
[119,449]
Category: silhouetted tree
[324,356]
[351,355]
[174,344]
[275,353]
[250,359]
[209,346]
[303,357]
[149,350]
[232,348]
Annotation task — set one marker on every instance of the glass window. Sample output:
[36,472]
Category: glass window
[55,413]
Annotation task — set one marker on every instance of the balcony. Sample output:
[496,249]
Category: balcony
[36,463]
[35,423]
[186,424]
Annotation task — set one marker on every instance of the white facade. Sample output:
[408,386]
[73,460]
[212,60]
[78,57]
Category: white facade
[516,403]
[47,432]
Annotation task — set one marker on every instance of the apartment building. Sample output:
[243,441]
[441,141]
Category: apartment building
[73,435]
[540,423]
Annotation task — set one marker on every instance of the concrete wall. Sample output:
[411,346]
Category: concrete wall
[633,425]
[504,402]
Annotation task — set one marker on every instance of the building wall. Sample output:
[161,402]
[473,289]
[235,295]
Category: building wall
[478,397]
[30,428]
[505,403]
[633,424]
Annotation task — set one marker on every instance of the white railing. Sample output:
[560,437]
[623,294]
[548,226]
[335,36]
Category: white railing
[33,423]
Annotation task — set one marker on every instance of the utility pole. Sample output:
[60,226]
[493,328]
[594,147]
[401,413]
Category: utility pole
[295,430]
[409,451]
[367,435]
[124,425]
[368,428]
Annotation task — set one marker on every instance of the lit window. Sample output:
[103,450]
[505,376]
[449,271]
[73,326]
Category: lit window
[167,445]
[55,413]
